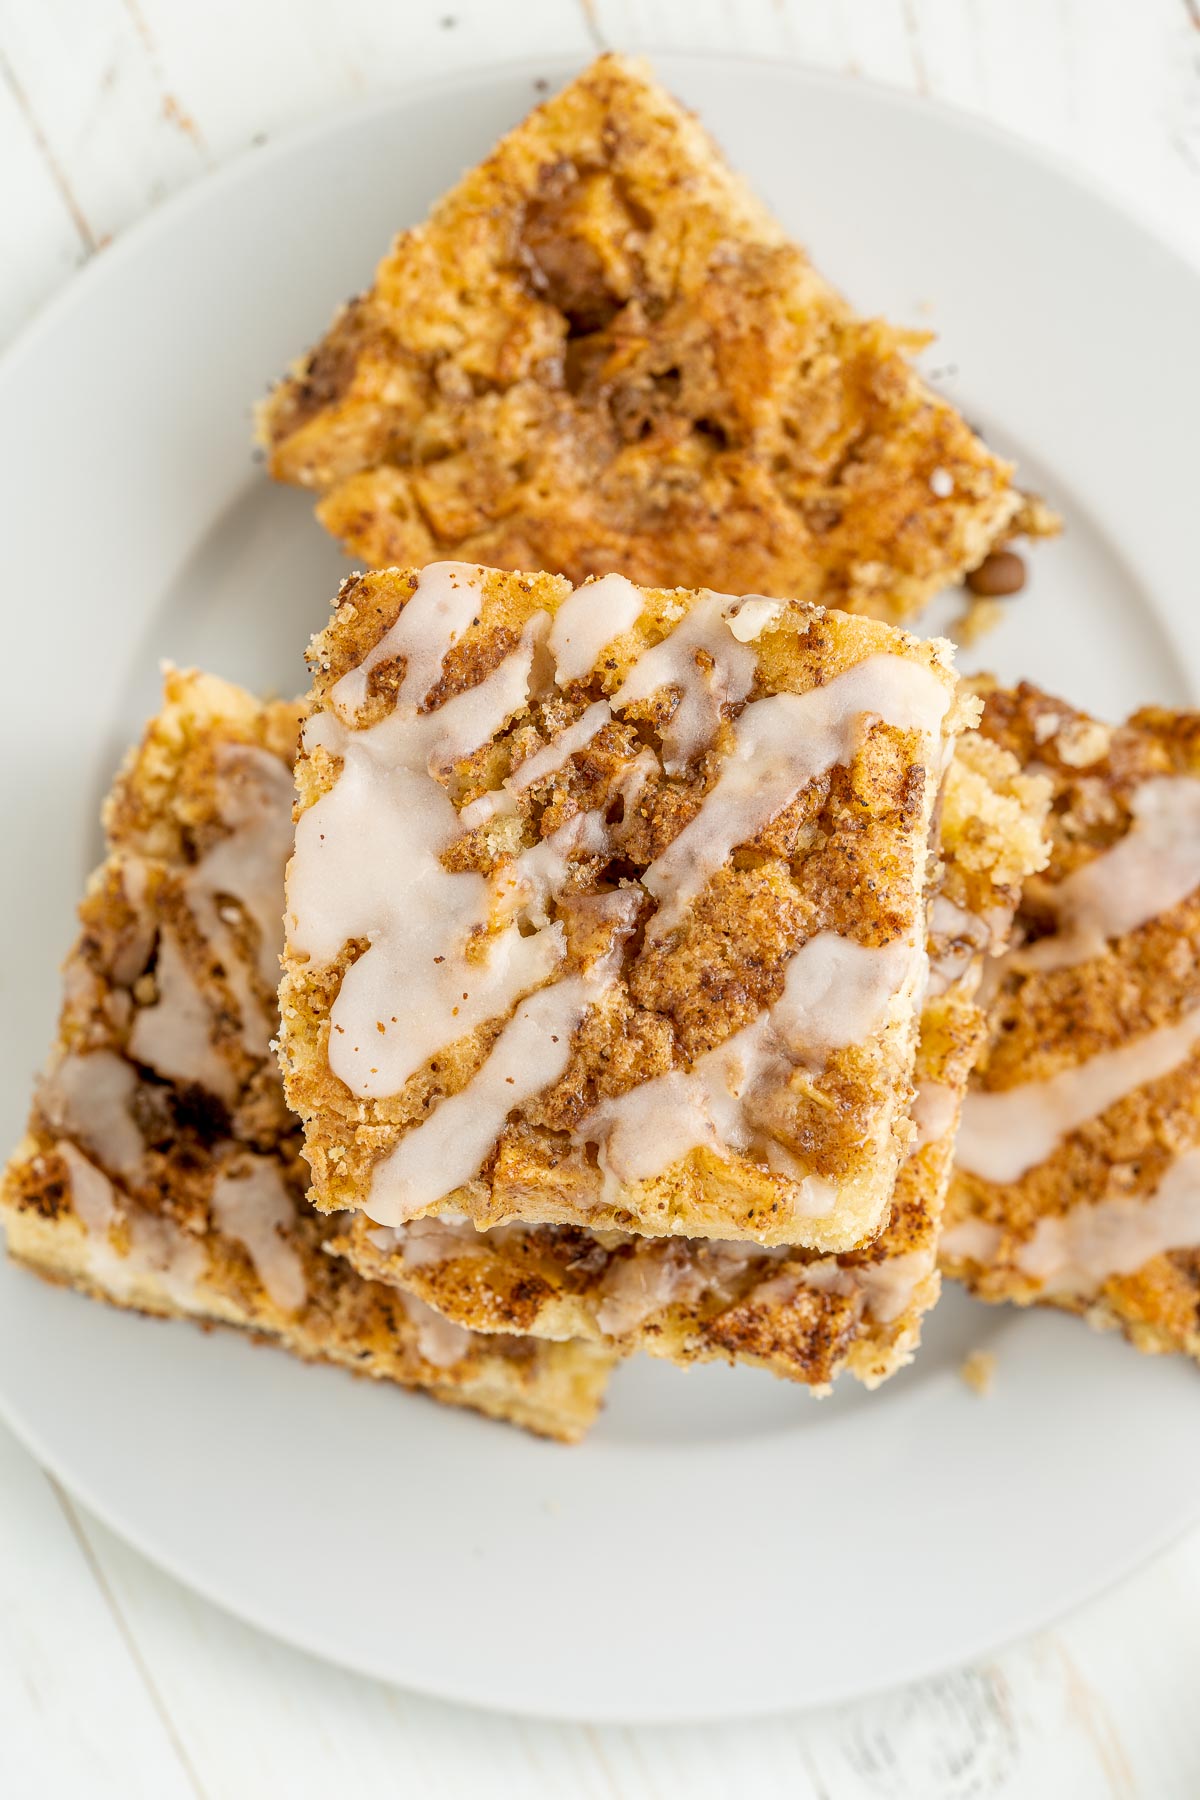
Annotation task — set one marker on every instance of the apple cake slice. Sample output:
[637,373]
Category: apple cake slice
[602,353]
[607,906]
[1077,1178]
[802,1315]
[161,1170]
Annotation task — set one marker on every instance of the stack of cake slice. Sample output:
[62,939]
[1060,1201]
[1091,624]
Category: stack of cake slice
[501,846]
[608,974]
[803,1314]
[639,936]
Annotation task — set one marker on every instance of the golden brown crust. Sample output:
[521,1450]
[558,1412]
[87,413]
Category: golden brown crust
[600,353]
[849,855]
[1044,1021]
[117,1188]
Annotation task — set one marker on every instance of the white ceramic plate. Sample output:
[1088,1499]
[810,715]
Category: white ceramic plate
[724,1545]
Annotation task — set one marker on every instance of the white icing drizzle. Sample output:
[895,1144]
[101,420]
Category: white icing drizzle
[174,1037]
[439,1238]
[252,1204]
[368,851]
[811,1195]
[934,1111]
[247,863]
[367,865]
[431,743]
[947,919]
[971,1240]
[546,761]
[588,621]
[836,993]
[242,870]
[664,1273]
[135,881]
[750,617]
[780,745]
[443,605]
[702,658]
[601,917]
[406,1006]
[162,1253]
[659,1122]
[496,803]
[889,1287]
[472,717]
[967,934]
[1005,1134]
[132,952]
[448,1148]
[1077,1251]
[92,1193]
[440,1342]
[158,1251]
[631,784]
[552,756]
[826,1276]
[527,884]
[638,1287]
[88,1096]
[1145,873]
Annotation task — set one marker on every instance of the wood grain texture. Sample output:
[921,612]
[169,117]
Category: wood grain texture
[113,1679]
[78,1710]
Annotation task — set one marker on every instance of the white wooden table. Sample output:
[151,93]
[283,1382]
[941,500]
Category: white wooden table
[114,1681]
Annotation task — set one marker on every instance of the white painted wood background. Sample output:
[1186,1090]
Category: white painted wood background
[114,1681]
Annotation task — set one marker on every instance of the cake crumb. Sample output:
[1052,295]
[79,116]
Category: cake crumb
[1084,742]
[979,1371]
[975,621]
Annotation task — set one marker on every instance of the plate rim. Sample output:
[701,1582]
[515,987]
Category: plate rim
[924,1669]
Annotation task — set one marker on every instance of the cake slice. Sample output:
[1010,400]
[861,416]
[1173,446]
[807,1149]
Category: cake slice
[607,906]
[602,353]
[802,1315]
[1077,1179]
[161,1169]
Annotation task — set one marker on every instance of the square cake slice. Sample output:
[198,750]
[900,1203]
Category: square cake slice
[1077,1178]
[602,353]
[800,1314]
[161,1170]
[607,906]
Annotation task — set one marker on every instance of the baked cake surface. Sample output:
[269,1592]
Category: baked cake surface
[601,353]
[1077,1178]
[607,906]
[801,1314]
[161,1169]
